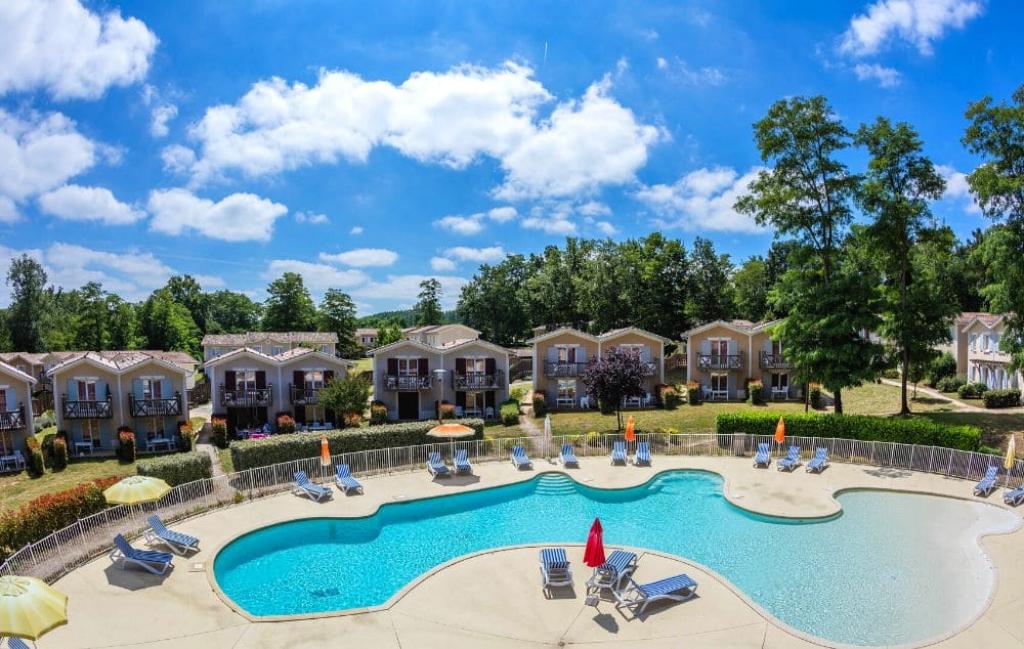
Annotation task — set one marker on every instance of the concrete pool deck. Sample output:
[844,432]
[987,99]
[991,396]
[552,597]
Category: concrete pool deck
[454,607]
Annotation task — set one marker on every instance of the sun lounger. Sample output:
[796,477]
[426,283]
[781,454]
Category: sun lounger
[988,483]
[15,643]
[618,452]
[791,461]
[1014,497]
[763,456]
[619,565]
[643,454]
[178,543]
[436,465]
[519,458]
[819,461]
[568,456]
[155,562]
[304,487]
[554,568]
[461,461]
[343,478]
[677,589]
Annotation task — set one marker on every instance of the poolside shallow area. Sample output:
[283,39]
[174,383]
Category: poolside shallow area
[493,599]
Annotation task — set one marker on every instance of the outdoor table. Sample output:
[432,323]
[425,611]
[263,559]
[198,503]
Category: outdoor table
[155,444]
[8,460]
[83,448]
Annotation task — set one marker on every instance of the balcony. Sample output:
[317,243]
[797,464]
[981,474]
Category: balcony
[303,396]
[12,419]
[247,398]
[774,362]
[651,367]
[558,368]
[87,409]
[478,381]
[406,383]
[720,361]
[170,407]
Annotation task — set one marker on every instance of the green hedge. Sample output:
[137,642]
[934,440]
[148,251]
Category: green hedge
[910,430]
[1001,398]
[177,468]
[248,454]
[510,412]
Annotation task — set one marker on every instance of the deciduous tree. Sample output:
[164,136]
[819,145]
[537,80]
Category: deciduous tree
[616,375]
[428,308]
[289,306]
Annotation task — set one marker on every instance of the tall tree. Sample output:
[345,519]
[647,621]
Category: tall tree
[996,132]
[232,312]
[338,315]
[124,326]
[751,287]
[895,193]
[289,306]
[806,194]
[27,281]
[655,273]
[710,295]
[389,332]
[167,324]
[492,301]
[185,290]
[616,375]
[428,308]
[92,317]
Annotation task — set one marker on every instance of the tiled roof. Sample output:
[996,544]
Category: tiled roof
[120,360]
[316,337]
[987,319]
[34,359]
[287,355]
[366,331]
[13,371]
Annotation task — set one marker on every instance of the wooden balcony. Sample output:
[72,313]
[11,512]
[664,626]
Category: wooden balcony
[170,407]
[246,398]
[12,419]
[558,369]
[771,361]
[720,361]
[406,383]
[478,381]
[303,396]
[87,409]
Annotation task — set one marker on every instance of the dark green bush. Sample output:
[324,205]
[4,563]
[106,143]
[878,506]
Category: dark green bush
[219,431]
[509,412]
[973,390]
[909,430]
[540,405]
[177,468]
[950,383]
[378,413]
[941,367]
[814,396]
[248,454]
[60,453]
[755,393]
[693,393]
[34,463]
[1001,398]
[125,445]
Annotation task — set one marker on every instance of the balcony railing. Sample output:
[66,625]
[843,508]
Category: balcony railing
[247,398]
[392,382]
[170,407]
[479,381]
[301,395]
[559,368]
[87,409]
[720,361]
[12,419]
[651,367]
[774,361]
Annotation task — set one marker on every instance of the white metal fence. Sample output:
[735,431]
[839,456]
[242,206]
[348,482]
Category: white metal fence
[55,555]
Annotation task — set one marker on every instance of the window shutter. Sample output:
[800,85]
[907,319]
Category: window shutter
[767,345]
[229,380]
[392,367]
[572,355]
[460,399]
[299,379]
[424,367]
[300,414]
[165,389]
[705,347]
[137,390]
[328,376]
[581,354]
[490,366]
[74,390]
[261,379]
[460,365]
[101,390]
[9,399]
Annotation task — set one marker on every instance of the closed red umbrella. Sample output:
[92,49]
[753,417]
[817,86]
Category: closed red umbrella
[593,556]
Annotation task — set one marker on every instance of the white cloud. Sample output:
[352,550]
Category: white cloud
[310,217]
[77,203]
[356,230]
[502,214]
[480,255]
[442,265]
[702,200]
[177,158]
[551,225]
[917,22]
[405,289]
[957,188]
[680,71]
[606,228]
[8,210]
[63,48]
[238,217]
[362,257]
[594,208]
[885,76]
[317,277]
[160,116]
[466,225]
[662,63]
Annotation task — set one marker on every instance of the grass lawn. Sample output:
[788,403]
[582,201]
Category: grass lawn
[225,460]
[18,489]
[883,400]
[684,419]
[362,365]
[497,429]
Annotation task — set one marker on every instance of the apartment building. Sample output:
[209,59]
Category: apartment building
[16,417]
[975,344]
[724,356]
[270,343]
[366,337]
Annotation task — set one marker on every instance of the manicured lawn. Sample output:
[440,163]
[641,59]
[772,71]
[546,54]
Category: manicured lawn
[882,399]
[684,419]
[225,460]
[995,425]
[362,365]
[497,429]
[15,490]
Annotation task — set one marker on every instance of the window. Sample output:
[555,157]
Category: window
[314,379]
[567,390]
[245,379]
[566,354]
[91,432]
[151,388]
[476,365]
[780,381]
[87,389]
[719,346]
[408,366]
[776,348]
[474,402]
[720,383]
[326,349]
[214,352]
[275,350]
[257,348]
[633,348]
[972,342]
[3,397]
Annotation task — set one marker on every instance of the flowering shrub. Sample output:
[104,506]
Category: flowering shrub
[378,413]
[285,423]
[668,396]
[219,428]
[693,393]
[540,406]
[125,445]
[352,419]
[188,436]
[60,453]
[446,410]
[755,393]
[34,461]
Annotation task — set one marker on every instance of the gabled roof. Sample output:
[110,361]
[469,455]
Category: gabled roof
[286,356]
[745,327]
[407,341]
[29,357]
[989,320]
[561,331]
[459,344]
[116,362]
[615,333]
[10,370]
[290,337]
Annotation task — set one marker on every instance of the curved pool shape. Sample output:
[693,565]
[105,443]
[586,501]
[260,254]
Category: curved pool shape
[894,568]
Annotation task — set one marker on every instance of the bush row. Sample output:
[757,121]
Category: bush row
[910,430]
[248,454]
[1001,398]
[950,383]
[177,468]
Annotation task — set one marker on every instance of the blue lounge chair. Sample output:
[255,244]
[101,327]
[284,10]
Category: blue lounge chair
[436,465]
[461,461]
[819,461]
[343,478]
[643,454]
[763,456]
[677,589]
[16,643]
[791,461]
[569,456]
[554,568]
[304,487]
[519,459]
[988,483]
[619,565]
[178,543]
[618,452]
[155,562]
[1014,497]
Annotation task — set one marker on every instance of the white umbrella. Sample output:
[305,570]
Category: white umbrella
[547,426]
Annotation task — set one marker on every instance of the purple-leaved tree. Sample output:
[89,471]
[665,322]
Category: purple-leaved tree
[617,375]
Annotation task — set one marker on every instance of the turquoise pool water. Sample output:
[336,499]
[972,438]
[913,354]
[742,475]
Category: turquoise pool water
[879,574]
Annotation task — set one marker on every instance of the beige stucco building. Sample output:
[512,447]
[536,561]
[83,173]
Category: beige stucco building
[975,344]
[16,417]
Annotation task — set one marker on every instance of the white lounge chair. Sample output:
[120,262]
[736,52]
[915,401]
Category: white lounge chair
[554,568]
[677,589]
[178,543]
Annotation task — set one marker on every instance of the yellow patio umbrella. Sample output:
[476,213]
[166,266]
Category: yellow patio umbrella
[780,431]
[1011,453]
[135,490]
[29,607]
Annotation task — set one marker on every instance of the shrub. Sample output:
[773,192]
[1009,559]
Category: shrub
[177,468]
[34,463]
[908,430]
[47,448]
[668,396]
[351,420]
[125,445]
[248,454]
[446,410]
[509,412]
[693,393]
[950,383]
[814,395]
[972,390]
[518,393]
[285,423]
[378,413]
[187,436]
[346,395]
[45,420]
[219,430]
[755,393]
[1001,398]
[60,453]
[540,405]
[941,367]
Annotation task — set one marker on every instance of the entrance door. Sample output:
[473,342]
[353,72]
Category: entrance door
[408,405]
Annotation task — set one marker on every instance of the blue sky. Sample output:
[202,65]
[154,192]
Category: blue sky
[370,148]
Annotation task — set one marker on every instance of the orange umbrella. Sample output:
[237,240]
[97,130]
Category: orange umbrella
[451,431]
[630,429]
[780,431]
[593,555]
[325,451]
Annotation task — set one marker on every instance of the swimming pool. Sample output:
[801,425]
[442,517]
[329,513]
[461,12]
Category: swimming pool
[872,576]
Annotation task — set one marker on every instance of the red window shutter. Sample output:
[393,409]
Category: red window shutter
[392,367]
[572,355]
[328,376]
[460,365]
[490,365]
[261,379]
[229,380]
[424,367]
[299,379]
